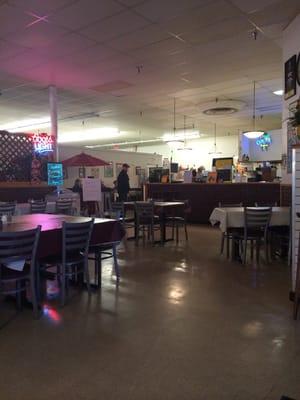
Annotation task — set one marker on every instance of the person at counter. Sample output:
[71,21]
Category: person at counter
[123,183]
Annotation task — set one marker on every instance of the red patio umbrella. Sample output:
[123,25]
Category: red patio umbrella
[84,160]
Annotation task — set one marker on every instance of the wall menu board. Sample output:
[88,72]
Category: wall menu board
[223,163]
[55,174]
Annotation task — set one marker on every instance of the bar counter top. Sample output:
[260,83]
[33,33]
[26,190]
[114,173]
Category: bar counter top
[204,197]
[22,191]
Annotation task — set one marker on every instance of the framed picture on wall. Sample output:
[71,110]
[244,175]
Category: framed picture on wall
[118,168]
[109,170]
[81,172]
[95,172]
[290,81]
[138,171]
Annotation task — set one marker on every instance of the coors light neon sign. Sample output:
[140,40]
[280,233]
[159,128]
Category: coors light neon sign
[43,143]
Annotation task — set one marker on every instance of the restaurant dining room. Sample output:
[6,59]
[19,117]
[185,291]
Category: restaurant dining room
[150,199]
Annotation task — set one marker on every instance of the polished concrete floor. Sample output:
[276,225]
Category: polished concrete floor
[184,323]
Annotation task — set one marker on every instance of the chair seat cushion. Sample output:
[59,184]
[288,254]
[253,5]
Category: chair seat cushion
[8,274]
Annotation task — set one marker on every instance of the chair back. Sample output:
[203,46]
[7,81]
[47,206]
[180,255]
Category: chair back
[22,245]
[257,218]
[118,209]
[7,209]
[64,206]
[76,237]
[38,207]
[144,212]
[229,205]
[271,204]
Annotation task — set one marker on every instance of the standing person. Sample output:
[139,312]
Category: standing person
[123,183]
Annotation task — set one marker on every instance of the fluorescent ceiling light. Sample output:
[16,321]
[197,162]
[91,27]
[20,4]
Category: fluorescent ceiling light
[27,124]
[133,142]
[278,92]
[180,136]
[89,134]
[175,144]
[253,134]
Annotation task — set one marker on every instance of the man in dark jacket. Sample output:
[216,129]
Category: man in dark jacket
[123,183]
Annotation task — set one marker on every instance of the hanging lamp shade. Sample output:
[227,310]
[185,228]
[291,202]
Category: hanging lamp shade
[254,133]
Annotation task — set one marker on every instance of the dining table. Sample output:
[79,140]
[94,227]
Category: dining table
[104,231]
[163,209]
[233,217]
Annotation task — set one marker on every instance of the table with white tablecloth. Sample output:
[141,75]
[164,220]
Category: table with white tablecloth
[233,217]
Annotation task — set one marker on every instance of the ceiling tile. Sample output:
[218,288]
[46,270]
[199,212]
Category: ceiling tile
[38,6]
[115,26]
[145,36]
[83,13]
[37,36]
[159,11]
[12,20]
[208,15]
[68,44]
[8,50]
[253,5]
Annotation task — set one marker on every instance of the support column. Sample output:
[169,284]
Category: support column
[53,117]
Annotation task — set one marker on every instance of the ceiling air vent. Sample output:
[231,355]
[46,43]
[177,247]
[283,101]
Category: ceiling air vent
[222,107]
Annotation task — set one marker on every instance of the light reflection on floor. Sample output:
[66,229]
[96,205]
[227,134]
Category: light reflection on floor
[52,314]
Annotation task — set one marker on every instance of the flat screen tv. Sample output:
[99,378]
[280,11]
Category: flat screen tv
[174,168]
[55,174]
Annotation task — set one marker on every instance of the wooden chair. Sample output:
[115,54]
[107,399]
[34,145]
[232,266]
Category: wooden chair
[145,219]
[64,206]
[256,225]
[19,247]
[228,235]
[74,258]
[38,207]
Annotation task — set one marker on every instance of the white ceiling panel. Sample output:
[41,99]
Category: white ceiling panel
[12,20]
[115,26]
[8,50]
[198,51]
[211,13]
[159,11]
[134,40]
[253,5]
[83,13]
[37,36]
[40,7]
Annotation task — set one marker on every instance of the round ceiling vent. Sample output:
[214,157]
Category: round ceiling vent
[222,107]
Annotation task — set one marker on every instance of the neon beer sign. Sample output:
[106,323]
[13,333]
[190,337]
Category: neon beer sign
[43,143]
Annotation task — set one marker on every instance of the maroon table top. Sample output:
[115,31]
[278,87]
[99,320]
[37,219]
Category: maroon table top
[104,231]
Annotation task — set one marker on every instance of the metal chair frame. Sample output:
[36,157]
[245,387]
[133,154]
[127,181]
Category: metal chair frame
[20,246]
[75,248]
[145,218]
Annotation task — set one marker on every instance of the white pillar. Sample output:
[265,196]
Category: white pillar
[53,116]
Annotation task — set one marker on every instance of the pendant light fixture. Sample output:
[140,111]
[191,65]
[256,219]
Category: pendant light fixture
[184,148]
[254,133]
[215,152]
[173,141]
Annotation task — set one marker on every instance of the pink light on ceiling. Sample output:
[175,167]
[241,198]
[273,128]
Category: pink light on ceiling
[37,19]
